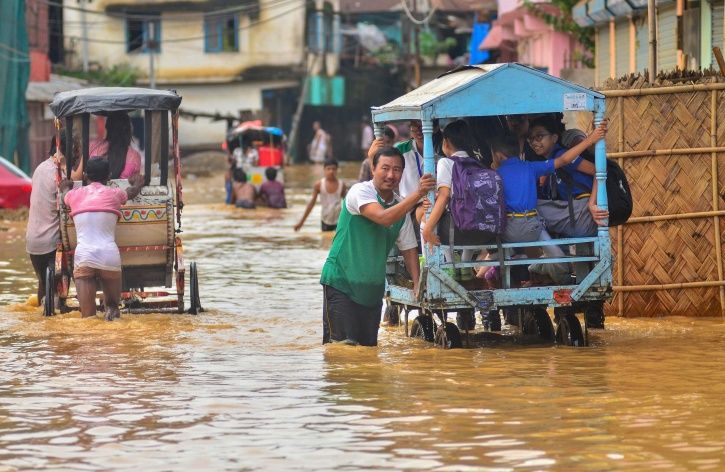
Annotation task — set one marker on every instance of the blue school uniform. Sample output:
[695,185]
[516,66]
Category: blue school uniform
[520,182]
[580,179]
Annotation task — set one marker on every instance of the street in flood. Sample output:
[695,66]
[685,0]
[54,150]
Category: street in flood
[247,384]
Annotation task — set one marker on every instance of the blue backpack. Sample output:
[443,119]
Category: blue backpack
[477,202]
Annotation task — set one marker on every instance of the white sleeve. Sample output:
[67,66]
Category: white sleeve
[444,171]
[406,237]
[360,195]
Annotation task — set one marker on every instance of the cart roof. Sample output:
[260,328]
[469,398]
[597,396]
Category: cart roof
[486,90]
[101,100]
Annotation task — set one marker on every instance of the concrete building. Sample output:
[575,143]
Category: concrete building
[686,33]
[521,36]
[234,58]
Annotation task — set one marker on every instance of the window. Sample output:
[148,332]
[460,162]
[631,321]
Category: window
[143,32]
[221,33]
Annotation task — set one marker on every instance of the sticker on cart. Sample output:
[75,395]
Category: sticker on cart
[575,101]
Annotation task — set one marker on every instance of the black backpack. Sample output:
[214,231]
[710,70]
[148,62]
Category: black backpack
[619,198]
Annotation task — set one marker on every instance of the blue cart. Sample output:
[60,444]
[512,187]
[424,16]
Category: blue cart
[495,90]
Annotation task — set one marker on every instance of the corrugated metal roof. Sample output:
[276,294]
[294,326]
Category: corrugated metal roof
[44,91]
[370,6]
[440,86]
[489,89]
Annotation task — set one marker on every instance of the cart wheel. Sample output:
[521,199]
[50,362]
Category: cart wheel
[492,319]
[452,337]
[569,330]
[422,327]
[48,305]
[594,315]
[194,300]
[392,314]
[466,320]
[537,321]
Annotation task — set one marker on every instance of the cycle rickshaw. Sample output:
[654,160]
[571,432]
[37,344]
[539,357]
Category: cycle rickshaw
[498,90]
[148,230]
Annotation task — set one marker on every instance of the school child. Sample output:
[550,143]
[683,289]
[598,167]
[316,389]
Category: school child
[331,191]
[571,210]
[243,193]
[271,192]
[520,178]
[456,145]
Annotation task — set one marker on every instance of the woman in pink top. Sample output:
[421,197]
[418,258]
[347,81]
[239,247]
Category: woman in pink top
[124,160]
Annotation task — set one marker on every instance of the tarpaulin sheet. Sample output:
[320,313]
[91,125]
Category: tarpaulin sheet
[14,74]
[100,100]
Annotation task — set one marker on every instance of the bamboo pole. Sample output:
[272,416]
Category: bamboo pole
[663,90]
[632,46]
[679,216]
[652,35]
[675,286]
[666,152]
[612,49]
[620,231]
[715,197]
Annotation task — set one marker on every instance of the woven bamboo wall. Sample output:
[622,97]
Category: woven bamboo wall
[670,141]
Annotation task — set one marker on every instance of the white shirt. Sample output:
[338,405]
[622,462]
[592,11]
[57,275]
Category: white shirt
[364,193]
[367,138]
[444,170]
[43,232]
[96,233]
[412,172]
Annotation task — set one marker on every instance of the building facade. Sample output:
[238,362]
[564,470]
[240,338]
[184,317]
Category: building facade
[520,35]
[686,33]
[226,58]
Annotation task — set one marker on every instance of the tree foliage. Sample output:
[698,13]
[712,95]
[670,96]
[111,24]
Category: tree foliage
[120,75]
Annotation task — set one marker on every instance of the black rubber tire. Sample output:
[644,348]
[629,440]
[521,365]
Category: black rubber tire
[194,299]
[392,314]
[493,318]
[569,331]
[466,320]
[594,315]
[537,322]
[49,298]
[423,328]
[453,337]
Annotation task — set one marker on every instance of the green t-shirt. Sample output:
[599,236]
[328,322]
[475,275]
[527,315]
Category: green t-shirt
[357,259]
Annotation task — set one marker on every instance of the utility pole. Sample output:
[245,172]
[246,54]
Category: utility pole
[416,46]
[151,46]
[84,35]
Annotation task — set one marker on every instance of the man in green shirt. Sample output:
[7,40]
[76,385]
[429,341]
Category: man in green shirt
[373,218]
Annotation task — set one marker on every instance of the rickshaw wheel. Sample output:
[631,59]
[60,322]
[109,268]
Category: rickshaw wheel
[452,338]
[48,305]
[422,327]
[569,331]
[536,321]
[194,300]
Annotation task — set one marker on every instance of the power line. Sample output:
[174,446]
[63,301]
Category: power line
[193,38]
[179,18]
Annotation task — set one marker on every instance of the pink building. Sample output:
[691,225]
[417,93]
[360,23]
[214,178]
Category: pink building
[521,36]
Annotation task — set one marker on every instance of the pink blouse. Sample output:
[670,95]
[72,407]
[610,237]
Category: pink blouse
[99,148]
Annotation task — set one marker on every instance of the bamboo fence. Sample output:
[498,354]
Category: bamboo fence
[669,140]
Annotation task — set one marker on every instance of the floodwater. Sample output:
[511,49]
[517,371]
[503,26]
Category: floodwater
[247,385]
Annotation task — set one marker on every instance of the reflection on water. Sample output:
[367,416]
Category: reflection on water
[247,385]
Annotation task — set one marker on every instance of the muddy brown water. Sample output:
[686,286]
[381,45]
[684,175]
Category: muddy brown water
[247,385]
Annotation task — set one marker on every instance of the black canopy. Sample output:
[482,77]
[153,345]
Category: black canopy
[102,100]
